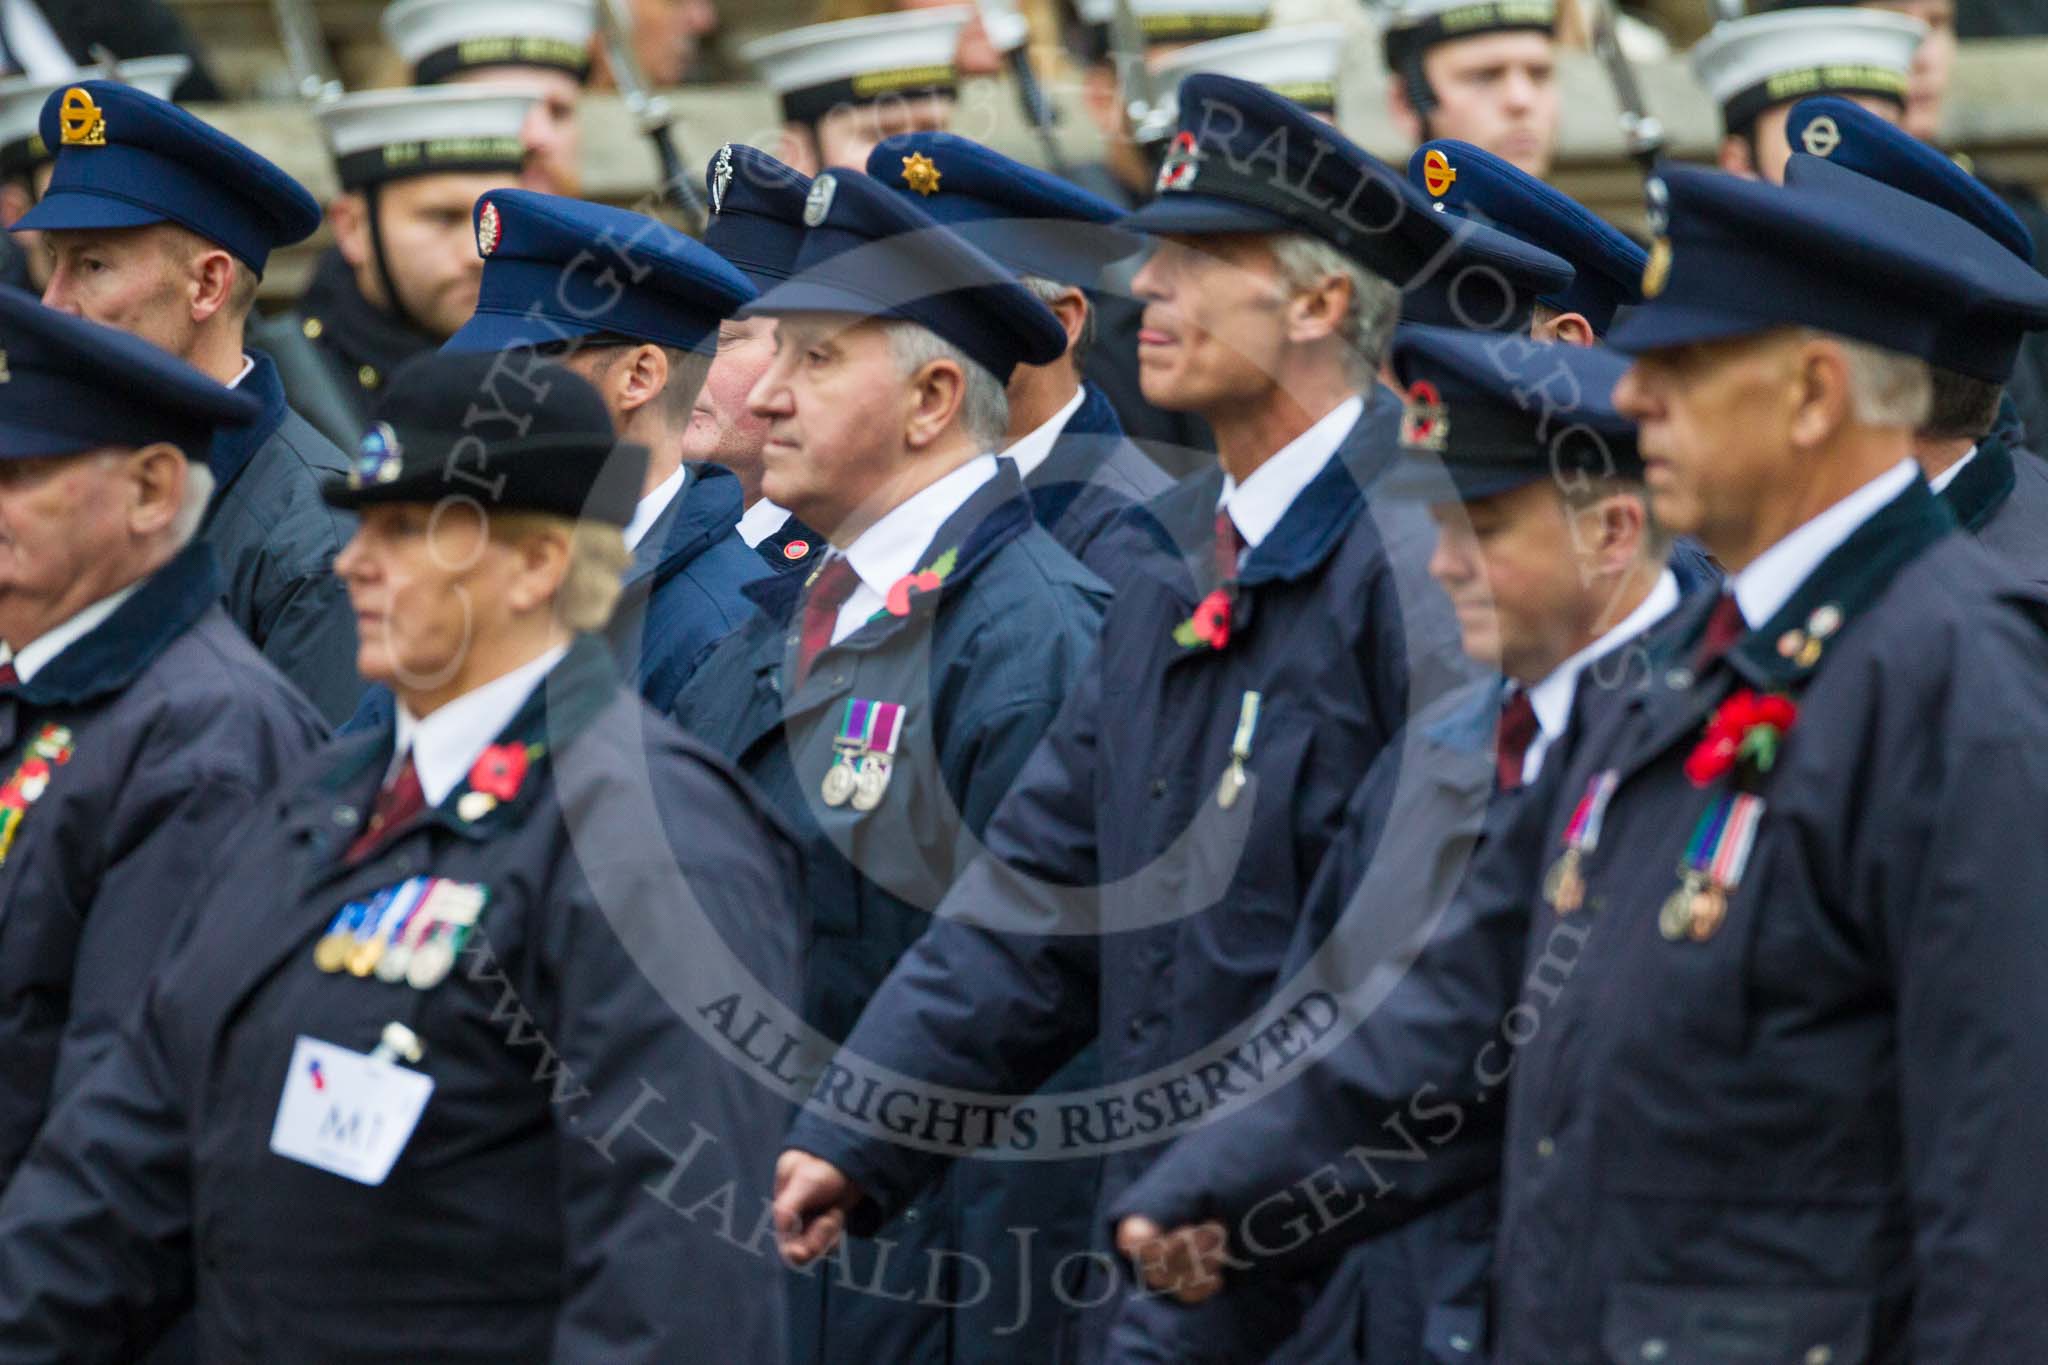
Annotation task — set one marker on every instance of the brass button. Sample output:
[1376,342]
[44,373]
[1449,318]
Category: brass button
[367,377]
[312,328]
[1820,1355]
[1546,1148]
[1655,1349]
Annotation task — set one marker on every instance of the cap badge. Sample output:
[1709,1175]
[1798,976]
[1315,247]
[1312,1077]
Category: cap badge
[818,202]
[921,173]
[1183,161]
[721,177]
[1821,136]
[378,457]
[79,121]
[488,228]
[1424,423]
[1438,174]
[1657,269]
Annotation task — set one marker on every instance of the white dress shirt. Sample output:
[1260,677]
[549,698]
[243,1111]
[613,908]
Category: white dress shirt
[889,549]
[760,521]
[1771,579]
[248,364]
[1257,504]
[34,656]
[1030,449]
[447,744]
[649,509]
[1948,476]
[1551,698]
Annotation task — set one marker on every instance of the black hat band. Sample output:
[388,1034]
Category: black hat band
[401,160]
[1836,78]
[813,102]
[552,54]
[1468,21]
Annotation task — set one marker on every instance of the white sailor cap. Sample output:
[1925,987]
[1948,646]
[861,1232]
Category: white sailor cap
[1298,62]
[1418,25]
[442,38]
[380,135]
[819,67]
[22,99]
[1749,64]
[1184,21]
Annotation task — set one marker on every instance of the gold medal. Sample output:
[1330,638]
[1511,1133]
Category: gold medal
[1674,921]
[1708,907]
[1231,786]
[362,959]
[839,781]
[331,953]
[872,781]
[1565,887]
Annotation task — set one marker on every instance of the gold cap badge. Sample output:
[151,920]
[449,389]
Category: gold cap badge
[1657,269]
[1438,175]
[921,173]
[79,121]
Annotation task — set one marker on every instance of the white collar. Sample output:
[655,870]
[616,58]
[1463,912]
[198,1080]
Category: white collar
[889,549]
[760,521]
[34,656]
[248,364]
[1030,449]
[1771,579]
[649,509]
[1257,504]
[1552,696]
[1948,476]
[447,744]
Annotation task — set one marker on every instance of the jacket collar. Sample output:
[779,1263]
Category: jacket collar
[705,509]
[1314,522]
[566,701]
[993,516]
[112,654]
[1981,487]
[234,447]
[1079,451]
[353,327]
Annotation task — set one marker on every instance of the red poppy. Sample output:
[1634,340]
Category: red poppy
[899,592]
[1211,622]
[499,770]
[1746,728]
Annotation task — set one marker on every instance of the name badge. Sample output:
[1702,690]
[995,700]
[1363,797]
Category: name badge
[346,1112]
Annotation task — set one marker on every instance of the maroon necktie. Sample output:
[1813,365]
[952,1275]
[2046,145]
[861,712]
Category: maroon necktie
[400,802]
[1724,628]
[8,677]
[1512,740]
[835,583]
[1229,545]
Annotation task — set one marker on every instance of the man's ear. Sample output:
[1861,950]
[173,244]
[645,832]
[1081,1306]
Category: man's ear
[797,148]
[543,567]
[211,278]
[349,215]
[1571,329]
[157,474]
[14,201]
[1736,158]
[1319,311]
[937,392]
[1071,308]
[641,379]
[1822,404]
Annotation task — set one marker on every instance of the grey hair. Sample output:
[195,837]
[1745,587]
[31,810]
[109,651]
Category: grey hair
[192,511]
[1886,389]
[984,409]
[1375,303]
[1049,292]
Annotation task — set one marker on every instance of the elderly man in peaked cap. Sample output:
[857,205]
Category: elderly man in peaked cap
[1748,1113]
[886,703]
[1064,436]
[159,225]
[139,730]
